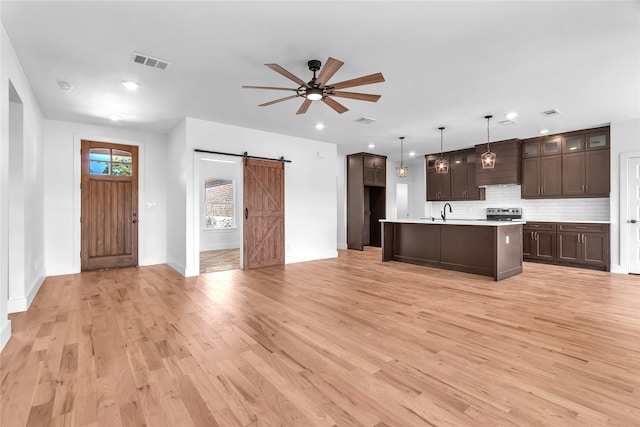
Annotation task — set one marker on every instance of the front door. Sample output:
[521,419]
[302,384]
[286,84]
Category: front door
[263,213]
[109,206]
[633,214]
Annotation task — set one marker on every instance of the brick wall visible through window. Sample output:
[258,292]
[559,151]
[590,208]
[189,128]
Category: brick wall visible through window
[219,202]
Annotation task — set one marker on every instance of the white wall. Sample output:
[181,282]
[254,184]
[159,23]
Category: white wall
[220,168]
[310,190]
[62,192]
[341,185]
[30,241]
[177,198]
[625,138]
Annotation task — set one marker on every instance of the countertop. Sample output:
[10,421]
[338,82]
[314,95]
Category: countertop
[478,222]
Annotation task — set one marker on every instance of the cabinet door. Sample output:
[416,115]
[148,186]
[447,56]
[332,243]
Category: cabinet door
[597,140]
[473,192]
[531,148]
[597,173]
[550,146]
[530,180]
[445,185]
[572,144]
[573,174]
[550,175]
[433,186]
[568,247]
[369,176]
[595,249]
[458,182]
[528,243]
[546,245]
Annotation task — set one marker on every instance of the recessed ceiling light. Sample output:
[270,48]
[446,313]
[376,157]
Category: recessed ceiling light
[65,86]
[131,85]
[544,131]
[511,115]
[319,126]
[412,153]
[372,145]
[114,117]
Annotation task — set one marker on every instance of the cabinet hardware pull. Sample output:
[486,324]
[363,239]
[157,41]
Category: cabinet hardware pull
[586,188]
[542,190]
[583,188]
[537,235]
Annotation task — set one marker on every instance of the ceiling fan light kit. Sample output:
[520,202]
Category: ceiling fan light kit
[318,89]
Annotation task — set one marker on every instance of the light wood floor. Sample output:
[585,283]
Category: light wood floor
[220,260]
[339,342]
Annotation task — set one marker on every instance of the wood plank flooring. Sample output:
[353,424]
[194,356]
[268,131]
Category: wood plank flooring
[219,260]
[349,341]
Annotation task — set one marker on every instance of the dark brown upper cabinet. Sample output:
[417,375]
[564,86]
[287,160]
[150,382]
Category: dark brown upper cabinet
[508,164]
[463,176]
[574,164]
[375,170]
[438,184]
[586,164]
[541,167]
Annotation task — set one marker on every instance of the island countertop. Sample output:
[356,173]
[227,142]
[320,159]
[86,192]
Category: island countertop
[480,222]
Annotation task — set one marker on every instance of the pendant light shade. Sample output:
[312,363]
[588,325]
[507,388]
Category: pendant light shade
[402,171]
[441,165]
[488,159]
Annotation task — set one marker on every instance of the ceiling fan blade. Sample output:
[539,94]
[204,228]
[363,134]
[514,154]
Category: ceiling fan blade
[330,67]
[360,81]
[304,107]
[353,95]
[278,69]
[335,105]
[278,100]
[269,87]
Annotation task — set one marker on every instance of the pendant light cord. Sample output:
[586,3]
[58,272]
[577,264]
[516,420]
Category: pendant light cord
[488,139]
[401,151]
[441,149]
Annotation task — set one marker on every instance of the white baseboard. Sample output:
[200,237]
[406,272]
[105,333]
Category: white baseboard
[219,246]
[177,267]
[190,272]
[342,246]
[22,304]
[152,261]
[619,269]
[5,333]
[292,259]
[60,270]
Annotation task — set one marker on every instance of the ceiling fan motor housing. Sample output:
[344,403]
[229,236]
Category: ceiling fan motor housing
[314,65]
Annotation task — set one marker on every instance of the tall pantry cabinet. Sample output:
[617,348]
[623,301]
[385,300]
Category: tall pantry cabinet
[366,199]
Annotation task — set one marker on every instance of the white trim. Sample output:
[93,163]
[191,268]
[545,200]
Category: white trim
[310,256]
[5,334]
[177,267]
[77,139]
[623,265]
[152,261]
[22,304]
[342,246]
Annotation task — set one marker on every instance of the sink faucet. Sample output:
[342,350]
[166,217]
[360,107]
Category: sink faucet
[443,213]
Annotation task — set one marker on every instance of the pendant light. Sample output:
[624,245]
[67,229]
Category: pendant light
[441,165]
[488,158]
[402,170]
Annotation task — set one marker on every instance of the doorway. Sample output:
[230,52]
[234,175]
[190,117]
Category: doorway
[109,206]
[631,218]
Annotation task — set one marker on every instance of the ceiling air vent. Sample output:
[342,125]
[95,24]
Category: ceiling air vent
[365,120]
[150,61]
[552,112]
[508,122]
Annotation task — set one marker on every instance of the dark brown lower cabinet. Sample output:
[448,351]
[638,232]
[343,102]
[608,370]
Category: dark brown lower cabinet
[574,244]
[539,241]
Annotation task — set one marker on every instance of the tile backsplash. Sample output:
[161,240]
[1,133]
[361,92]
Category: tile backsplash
[591,209]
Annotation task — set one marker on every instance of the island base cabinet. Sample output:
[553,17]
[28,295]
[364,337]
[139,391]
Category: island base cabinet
[486,250]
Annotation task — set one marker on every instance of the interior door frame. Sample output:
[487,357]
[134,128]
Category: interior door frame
[193,259]
[77,196]
[624,206]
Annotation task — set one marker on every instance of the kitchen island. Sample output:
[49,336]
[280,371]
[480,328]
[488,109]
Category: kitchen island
[488,248]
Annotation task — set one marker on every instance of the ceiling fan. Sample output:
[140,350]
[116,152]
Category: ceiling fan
[318,89]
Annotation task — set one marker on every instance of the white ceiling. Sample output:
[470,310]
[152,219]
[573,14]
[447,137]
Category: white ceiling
[445,64]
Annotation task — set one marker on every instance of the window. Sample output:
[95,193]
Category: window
[219,203]
[109,161]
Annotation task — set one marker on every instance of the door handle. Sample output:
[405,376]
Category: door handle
[135,221]
[246,213]
[632,221]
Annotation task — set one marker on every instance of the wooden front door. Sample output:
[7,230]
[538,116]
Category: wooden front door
[109,220]
[263,213]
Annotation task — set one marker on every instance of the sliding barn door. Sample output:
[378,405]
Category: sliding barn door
[263,213]
[109,205]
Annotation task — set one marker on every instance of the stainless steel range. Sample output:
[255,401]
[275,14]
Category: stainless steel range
[503,214]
